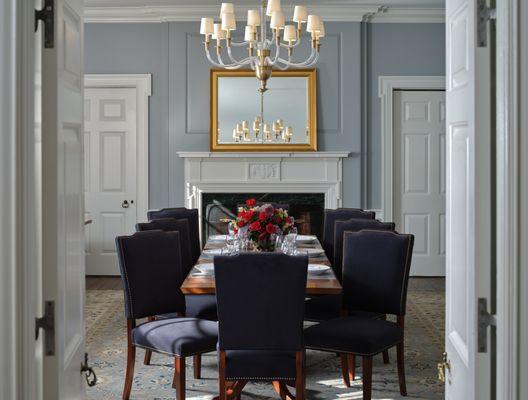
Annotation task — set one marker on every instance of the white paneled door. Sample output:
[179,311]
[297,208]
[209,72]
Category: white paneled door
[63,203]
[419,176]
[110,173]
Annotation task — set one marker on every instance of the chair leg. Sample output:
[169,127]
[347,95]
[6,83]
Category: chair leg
[300,378]
[221,375]
[344,370]
[131,361]
[401,368]
[351,367]
[197,365]
[179,377]
[367,378]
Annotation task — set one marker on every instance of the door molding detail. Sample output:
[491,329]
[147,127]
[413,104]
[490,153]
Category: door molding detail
[386,86]
[143,85]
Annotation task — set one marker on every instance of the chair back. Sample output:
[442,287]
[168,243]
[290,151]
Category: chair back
[194,225]
[173,225]
[376,268]
[150,265]
[260,299]
[341,214]
[353,225]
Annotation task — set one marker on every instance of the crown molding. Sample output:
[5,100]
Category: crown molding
[329,12]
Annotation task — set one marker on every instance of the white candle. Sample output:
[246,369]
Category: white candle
[253,18]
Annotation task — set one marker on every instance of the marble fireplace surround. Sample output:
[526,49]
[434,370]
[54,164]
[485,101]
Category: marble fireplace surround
[255,172]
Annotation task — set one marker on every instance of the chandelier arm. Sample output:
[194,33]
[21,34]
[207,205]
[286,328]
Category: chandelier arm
[220,63]
[234,65]
[288,46]
[239,44]
[314,61]
[308,62]
[233,60]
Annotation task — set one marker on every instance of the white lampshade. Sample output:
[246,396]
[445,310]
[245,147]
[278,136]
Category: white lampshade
[300,14]
[253,18]
[227,8]
[314,23]
[277,20]
[218,32]
[290,33]
[207,26]
[249,33]
[273,5]
[228,22]
[321,32]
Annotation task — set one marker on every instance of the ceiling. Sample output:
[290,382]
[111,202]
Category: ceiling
[154,3]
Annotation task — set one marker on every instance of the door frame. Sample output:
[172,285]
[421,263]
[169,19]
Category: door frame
[142,83]
[386,87]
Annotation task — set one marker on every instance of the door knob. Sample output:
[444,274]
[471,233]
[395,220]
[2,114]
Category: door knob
[125,204]
[445,364]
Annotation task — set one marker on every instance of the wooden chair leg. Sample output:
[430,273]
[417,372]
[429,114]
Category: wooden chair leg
[344,370]
[300,378]
[367,378]
[351,358]
[148,353]
[131,360]
[179,377]
[197,365]
[401,368]
[221,375]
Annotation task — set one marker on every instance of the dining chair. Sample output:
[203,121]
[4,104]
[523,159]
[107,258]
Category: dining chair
[260,320]
[194,225]
[376,267]
[198,306]
[340,214]
[151,276]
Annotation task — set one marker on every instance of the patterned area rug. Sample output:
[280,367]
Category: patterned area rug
[106,343]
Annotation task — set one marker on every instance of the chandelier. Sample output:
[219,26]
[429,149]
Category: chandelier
[264,53]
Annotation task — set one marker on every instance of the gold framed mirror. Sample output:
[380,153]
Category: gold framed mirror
[283,118]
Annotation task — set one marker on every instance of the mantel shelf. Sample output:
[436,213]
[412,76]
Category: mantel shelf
[297,154]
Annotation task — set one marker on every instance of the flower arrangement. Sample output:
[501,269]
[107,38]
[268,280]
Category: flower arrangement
[261,224]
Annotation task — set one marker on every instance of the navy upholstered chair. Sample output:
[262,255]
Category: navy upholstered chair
[194,225]
[376,268]
[340,214]
[151,278]
[260,312]
[198,306]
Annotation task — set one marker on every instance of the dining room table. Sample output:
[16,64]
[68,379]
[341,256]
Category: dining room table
[321,278]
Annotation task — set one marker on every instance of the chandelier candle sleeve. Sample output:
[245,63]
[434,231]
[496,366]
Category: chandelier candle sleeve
[264,53]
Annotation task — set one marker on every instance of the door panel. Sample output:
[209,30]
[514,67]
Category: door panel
[63,201]
[110,130]
[419,192]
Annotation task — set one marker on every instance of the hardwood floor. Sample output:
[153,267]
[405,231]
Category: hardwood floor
[415,284]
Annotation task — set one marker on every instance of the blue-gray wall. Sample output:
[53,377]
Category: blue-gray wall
[179,106]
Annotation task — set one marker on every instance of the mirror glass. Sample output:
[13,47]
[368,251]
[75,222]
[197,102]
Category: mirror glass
[278,116]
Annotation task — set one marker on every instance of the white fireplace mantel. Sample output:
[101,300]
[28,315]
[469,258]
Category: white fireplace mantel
[288,172]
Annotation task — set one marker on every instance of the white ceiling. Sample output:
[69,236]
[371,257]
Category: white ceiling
[154,3]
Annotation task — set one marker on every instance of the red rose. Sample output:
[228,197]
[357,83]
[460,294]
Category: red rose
[240,214]
[251,202]
[240,224]
[278,219]
[270,228]
[288,220]
[262,236]
[255,226]
[262,216]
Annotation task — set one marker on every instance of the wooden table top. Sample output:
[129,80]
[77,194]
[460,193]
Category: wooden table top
[198,283]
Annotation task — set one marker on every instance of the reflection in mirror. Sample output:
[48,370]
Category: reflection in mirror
[279,115]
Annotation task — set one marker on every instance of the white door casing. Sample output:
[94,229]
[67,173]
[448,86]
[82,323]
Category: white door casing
[419,176]
[468,208]
[63,201]
[109,174]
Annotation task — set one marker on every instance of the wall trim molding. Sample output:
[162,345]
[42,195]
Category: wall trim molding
[143,85]
[386,87]
[329,12]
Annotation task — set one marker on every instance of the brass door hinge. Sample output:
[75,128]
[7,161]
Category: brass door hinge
[442,367]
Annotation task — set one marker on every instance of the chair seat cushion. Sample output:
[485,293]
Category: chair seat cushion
[177,336]
[264,365]
[327,307]
[356,335]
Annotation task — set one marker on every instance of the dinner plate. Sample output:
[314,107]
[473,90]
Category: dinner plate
[318,269]
[217,238]
[312,252]
[206,268]
[306,238]
[212,252]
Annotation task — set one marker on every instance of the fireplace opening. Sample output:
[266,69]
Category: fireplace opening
[306,208]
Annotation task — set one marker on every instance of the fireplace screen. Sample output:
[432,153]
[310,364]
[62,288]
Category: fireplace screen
[306,208]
